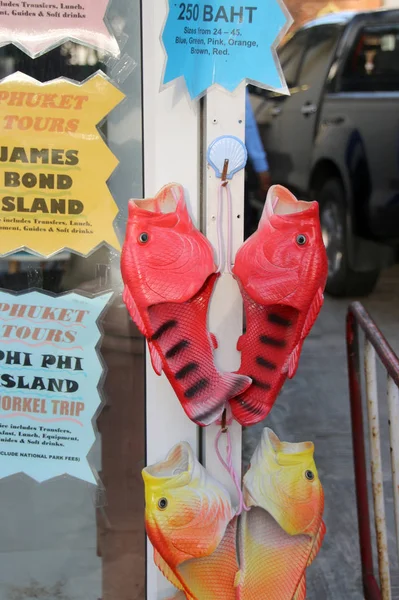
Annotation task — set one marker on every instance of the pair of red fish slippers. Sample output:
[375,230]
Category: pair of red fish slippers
[169,273]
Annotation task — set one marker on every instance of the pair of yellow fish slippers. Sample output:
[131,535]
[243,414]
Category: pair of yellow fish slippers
[208,552]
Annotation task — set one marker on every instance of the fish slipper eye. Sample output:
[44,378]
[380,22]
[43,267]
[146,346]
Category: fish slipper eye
[301,239]
[162,503]
[309,475]
[143,238]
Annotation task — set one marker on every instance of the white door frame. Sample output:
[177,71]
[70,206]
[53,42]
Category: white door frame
[172,146]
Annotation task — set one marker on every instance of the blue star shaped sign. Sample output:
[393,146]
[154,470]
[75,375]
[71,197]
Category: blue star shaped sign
[209,42]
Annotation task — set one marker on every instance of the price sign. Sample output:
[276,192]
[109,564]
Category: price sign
[212,43]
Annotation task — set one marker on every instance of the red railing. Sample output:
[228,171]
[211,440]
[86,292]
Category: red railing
[376,343]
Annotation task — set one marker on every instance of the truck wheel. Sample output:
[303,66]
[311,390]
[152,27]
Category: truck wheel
[342,280]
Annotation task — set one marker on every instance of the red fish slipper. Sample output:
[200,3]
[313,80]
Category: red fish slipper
[169,274]
[281,270]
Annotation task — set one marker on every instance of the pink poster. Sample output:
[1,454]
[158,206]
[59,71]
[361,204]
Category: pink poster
[36,26]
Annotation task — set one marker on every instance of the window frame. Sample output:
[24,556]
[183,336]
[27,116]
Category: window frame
[338,28]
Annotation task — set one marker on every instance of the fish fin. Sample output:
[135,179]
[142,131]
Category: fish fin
[214,341]
[317,543]
[300,593]
[313,313]
[135,314]
[156,359]
[240,343]
[133,310]
[292,363]
[238,578]
[166,570]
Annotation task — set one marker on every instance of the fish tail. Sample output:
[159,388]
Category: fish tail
[251,408]
[229,385]
[236,384]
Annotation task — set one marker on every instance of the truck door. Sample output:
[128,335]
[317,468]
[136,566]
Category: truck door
[369,89]
[299,113]
[270,114]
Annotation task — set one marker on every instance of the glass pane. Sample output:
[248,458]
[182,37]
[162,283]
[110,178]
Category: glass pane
[65,538]
[373,64]
[318,57]
[290,56]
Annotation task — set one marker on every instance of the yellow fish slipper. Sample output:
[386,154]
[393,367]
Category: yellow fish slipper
[191,524]
[284,529]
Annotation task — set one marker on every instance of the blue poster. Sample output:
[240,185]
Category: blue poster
[49,373]
[209,42]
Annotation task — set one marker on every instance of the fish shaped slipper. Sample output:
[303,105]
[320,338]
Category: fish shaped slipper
[284,529]
[282,271]
[192,526]
[213,577]
[169,273]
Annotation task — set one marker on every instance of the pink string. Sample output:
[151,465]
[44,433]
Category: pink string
[230,469]
[222,259]
[229,229]
[219,230]
[222,263]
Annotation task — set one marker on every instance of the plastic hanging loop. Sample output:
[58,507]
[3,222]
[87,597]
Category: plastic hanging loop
[227,155]
[224,261]
[228,464]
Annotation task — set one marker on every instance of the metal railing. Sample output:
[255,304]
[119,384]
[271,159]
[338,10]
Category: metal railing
[375,345]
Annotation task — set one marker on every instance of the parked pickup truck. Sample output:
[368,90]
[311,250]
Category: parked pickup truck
[336,138]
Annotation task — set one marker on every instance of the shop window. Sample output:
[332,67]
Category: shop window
[65,537]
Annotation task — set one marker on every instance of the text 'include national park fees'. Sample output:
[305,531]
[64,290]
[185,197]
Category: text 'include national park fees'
[49,373]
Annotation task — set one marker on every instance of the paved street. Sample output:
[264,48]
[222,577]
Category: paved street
[315,406]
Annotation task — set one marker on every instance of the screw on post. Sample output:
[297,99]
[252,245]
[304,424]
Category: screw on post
[223,426]
[224,172]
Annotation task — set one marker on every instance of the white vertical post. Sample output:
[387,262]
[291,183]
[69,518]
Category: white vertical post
[171,143]
[224,114]
[376,469]
[393,408]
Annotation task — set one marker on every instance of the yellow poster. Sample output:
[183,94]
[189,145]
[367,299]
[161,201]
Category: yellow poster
[54,165]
